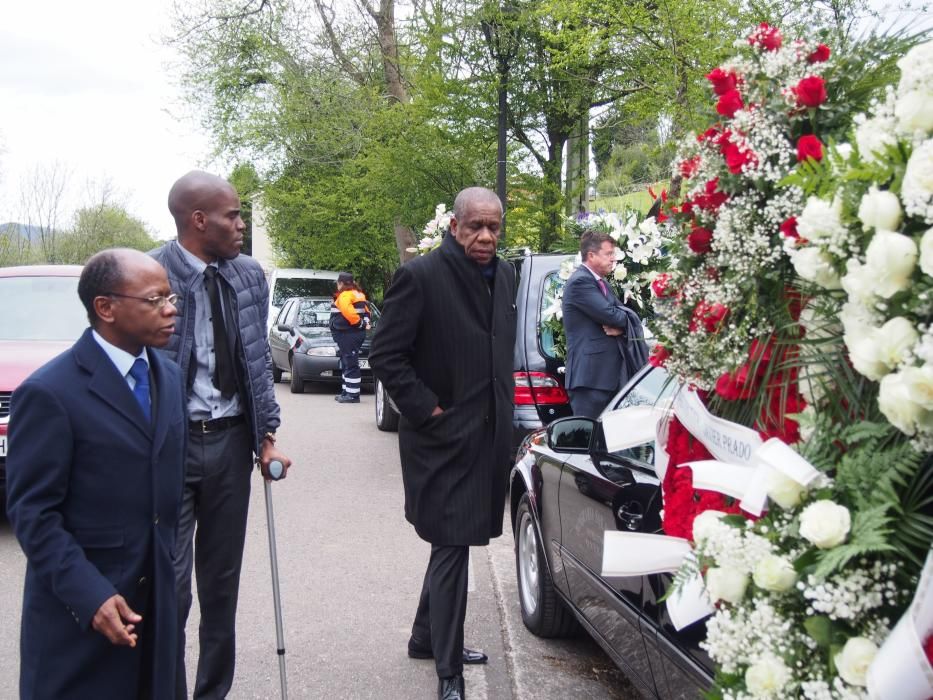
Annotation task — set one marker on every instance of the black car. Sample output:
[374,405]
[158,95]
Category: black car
[539,383]
[566,490]
[301,344]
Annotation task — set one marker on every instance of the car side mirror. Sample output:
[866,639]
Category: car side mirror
[574,434]
[285,329]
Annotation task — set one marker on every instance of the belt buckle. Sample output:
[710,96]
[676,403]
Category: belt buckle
[204,429]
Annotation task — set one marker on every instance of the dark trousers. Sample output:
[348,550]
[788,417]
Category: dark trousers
[442,607]
[589,402]
[349,343]
[213,519]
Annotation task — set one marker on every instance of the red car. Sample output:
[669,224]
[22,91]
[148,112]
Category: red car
[40,317]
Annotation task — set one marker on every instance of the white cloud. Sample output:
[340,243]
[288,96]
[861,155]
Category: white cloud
[84,85]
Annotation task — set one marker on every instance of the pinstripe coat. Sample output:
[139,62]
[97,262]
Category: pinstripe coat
[445,339]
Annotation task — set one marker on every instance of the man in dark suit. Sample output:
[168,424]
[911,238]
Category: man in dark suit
[94,482]
[443,350]
[605,343]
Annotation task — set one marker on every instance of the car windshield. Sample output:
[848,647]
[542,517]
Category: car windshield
[41,308]
[314,313]
[286,287]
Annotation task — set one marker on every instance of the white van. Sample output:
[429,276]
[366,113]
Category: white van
[285,282]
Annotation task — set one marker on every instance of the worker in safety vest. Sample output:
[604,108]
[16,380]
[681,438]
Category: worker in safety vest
[349,321]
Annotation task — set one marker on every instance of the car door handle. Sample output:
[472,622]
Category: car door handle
[630,520]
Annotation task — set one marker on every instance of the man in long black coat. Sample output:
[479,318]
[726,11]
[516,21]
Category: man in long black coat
[443,351]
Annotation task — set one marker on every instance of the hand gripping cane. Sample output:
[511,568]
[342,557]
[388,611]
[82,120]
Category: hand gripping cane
[276,471]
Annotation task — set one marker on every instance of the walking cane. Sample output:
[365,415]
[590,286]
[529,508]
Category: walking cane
[276,471]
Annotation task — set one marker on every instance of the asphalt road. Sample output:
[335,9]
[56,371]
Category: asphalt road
[351,570]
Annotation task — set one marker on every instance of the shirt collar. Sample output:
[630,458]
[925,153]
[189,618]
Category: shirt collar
[193,260]
[121,359]
[591,271]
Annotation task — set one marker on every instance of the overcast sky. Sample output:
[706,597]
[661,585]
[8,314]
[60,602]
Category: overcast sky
[84,84]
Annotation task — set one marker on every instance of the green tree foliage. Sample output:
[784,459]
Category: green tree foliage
[245,180]
[99,227]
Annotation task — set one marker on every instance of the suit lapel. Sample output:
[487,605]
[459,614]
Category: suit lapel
[471,277]
[162,407]
[106,382]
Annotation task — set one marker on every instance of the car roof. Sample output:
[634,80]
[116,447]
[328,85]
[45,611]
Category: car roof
[42,271]
[302,273]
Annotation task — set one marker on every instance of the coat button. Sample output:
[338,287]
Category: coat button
[155,520]
[142,581]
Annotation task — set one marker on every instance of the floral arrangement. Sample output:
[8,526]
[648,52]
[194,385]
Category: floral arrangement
[434,231]
[867,228]
[771,294]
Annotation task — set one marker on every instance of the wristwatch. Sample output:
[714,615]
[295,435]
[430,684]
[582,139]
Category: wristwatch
[270,437]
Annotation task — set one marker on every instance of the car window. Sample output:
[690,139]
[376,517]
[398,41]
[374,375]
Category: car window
[652,389]
[41,308]
[283,314]
[549,293]
[285,287]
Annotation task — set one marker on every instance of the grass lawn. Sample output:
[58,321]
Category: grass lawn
[640,201]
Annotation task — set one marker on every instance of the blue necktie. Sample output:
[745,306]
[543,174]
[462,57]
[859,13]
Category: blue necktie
[140,372]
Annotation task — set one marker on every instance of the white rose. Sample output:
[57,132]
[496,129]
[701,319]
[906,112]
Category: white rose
[880,209]
[726,584]
[891,259]
[704,525]
[814,265]
[820,219]
[866,354]
[774,573]
[767,677]
[914,111]
[917,187]
[856,317]
[926,252]
[872,137]
[854,659]
[916,67]
[825,524]
[619,273]
[783,490]
[895,403]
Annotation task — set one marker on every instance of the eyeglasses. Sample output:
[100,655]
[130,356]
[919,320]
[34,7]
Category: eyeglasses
[155,302]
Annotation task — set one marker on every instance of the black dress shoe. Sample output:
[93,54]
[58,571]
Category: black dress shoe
[417,650]
[451,688]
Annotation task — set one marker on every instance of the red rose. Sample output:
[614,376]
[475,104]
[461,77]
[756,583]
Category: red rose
[715,316]
[659,355]
[809,146]
[700,239]
[722,81]
[735,157]
[659,285]
[708,135]
[819,55]
[686,207]
[789,228]
[928,648]
[726,387]
[767,37]
[810,92]
[730,103]
[689,167]
[712,199]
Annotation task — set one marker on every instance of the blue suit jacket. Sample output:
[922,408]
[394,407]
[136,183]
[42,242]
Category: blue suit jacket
[594,359]
[93,493]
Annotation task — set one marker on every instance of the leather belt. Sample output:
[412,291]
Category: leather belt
[215,425]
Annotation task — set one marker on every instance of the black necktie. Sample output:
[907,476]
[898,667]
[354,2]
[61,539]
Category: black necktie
[224,376]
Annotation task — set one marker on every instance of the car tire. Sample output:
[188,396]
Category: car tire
[386,416]
[276,374]
[297,386]
[543,612]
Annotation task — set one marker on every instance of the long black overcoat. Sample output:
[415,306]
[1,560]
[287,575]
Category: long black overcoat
[446,339]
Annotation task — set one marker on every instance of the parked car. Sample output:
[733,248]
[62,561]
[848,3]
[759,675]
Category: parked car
[287,282]
[566,490]
[539,385]
[40,317]
[301,344]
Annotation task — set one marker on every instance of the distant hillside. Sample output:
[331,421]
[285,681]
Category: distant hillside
[31,233]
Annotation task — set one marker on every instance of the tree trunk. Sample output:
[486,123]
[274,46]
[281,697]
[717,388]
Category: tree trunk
[388,46]
[552,196]
[404,239]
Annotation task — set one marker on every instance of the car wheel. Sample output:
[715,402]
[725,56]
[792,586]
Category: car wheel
[543,612]
[297,386]
[276,374]
[386,416]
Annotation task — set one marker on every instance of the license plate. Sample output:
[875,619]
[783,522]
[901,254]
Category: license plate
[2,445]
[364,364]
